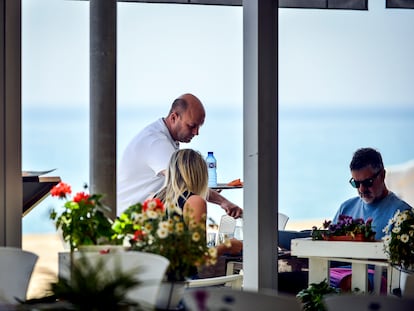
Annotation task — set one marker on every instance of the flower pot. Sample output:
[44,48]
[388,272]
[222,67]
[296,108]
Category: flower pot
[102,248]
[170,295]
[356,238]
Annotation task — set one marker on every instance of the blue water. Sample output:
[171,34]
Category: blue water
[315,147]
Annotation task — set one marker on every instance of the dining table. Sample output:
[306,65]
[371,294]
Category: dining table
[359,254]
[225,186]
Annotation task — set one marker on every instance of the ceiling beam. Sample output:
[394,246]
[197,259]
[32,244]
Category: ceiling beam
[294,4]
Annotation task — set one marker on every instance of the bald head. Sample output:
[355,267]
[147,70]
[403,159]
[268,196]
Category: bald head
[187,102]
[185,118]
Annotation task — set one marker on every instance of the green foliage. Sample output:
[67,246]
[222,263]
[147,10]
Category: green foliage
[84,219]
[93,287]
[125,226]
[312,297]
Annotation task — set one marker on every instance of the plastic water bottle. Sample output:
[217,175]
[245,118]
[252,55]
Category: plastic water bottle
[211,167]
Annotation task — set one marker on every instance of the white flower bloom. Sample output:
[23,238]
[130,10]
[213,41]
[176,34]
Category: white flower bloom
[196,236]
[152,214]
[139,218]
[405,238]
[170,208]
[399,222]
[396,229]
[212,251]
[162,233]
[180,227]
[403,216]
[386,239]
[148,227]
[152,205]
[164,225]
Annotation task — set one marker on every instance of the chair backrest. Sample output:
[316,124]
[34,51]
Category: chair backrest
[282,221]
[216,299]
[16,268]
[149,269]
[286,236]
[367,303]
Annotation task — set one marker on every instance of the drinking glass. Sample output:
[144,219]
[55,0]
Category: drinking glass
[211,239]
[224,236]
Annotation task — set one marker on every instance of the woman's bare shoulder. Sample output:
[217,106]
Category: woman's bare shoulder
[196,200]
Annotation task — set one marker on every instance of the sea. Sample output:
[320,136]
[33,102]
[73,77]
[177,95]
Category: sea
[316,144]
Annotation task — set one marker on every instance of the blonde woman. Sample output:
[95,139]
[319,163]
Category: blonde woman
[186,188]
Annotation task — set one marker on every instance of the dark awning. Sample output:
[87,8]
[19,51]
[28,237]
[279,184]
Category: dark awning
[325,4]
[298,4]
[294,4]
[399,4]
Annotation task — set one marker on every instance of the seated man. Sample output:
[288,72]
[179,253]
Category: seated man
[374,201]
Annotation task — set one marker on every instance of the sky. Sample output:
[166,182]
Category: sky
[325,56]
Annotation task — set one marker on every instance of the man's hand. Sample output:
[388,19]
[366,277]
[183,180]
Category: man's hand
[232,209]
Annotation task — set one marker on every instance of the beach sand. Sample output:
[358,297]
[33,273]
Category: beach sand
[303,224]
[47,246]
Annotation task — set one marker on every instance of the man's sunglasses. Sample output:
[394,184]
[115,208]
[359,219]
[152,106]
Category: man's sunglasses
[366,182]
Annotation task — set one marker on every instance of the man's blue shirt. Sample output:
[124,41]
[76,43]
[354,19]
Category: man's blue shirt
[381,212]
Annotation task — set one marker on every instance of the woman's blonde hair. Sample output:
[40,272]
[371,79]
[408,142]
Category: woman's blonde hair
[187,174]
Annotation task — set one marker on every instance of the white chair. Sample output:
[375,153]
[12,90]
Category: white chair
[282,221]
[367,302]
[234,281]
[16,268]
[217,299]
[150,270]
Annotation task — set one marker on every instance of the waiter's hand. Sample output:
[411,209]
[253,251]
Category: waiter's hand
[232,209]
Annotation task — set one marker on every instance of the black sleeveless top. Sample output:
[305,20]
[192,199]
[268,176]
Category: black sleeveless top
[182,200]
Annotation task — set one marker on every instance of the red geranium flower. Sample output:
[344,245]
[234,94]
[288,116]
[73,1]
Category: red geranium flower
[82,196]
[61,190]
[139,235]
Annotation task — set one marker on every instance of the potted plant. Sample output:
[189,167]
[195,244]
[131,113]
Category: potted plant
[84,219]
[312,297]
[148,229]
[399,240]
[94,287]
[346,229]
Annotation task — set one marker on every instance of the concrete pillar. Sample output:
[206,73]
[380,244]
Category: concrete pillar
[11,187]
[260,130]
[103,100]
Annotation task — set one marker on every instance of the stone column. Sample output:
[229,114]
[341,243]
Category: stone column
[260,132]
[11,187]
[103,100]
